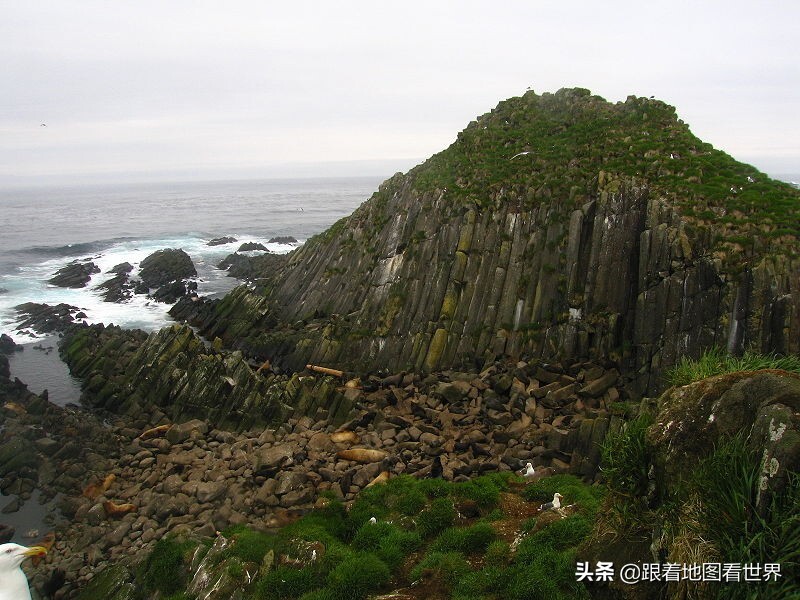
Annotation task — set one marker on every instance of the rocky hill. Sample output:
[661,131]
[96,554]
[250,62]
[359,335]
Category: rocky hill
[556,225]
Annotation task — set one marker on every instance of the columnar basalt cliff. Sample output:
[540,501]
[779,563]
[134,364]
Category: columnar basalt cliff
[172,370]
[558,225]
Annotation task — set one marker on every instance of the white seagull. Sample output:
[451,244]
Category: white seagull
[528,471]
[554,505]
[520,154]
[372,520]
[13,583]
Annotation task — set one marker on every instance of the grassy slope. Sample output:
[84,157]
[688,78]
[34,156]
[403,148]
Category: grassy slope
[570,137]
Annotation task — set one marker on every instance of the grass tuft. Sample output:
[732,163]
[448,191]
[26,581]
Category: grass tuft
[718,362]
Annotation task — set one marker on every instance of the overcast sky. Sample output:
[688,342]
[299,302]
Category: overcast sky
[192,89]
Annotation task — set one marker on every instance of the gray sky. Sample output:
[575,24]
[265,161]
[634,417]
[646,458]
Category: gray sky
[194,89]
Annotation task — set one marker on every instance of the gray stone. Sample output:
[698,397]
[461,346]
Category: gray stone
[289,481]
[270,460]
[297,497]
[208,491]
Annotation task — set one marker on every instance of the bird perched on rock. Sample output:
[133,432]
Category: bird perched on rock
[554,505]
[13,583]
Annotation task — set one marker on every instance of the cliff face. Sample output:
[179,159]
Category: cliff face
[556,226]
[173,372]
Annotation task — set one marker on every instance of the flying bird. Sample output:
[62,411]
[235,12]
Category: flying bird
[554,505]
[13,583]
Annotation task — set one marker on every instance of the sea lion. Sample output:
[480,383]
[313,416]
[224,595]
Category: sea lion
[340,437]
[362,455]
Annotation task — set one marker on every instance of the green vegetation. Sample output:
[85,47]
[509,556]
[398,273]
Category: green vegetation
[338,554]
[717,362]
[248,545]
[626,458]
[570,137]
[285,582]
[709,515]
[483,539]
[728,483]
[165,570]
[466,540]
[571,488]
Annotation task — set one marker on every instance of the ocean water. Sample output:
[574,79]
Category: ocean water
[43,229]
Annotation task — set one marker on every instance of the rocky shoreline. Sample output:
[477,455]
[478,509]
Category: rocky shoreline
[131,478]
[591,268]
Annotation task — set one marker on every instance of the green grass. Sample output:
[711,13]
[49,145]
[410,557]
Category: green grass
[356,559]
[164,570]
[248,544]
[572,136]
[711,508]
[285,583]
[717,362]
[484,491]
[626,458]
[438,516]
[466,540]
[354,578]
[444,567]
[727,482]
[573,490]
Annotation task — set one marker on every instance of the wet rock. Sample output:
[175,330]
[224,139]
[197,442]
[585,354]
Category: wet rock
[44,318]
[221,240]
[283,239]
[74,275]
[250,246]
[166,266]
[117,289]
[170,292]
[121,268]
[252,267]
[7,345]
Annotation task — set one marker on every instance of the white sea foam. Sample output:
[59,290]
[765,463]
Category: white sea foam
[29,282]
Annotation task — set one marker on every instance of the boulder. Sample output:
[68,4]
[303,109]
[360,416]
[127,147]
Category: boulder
[117,289]
[764,406]
[121,268]
[249,246]
[166,266]
[208,491]
[599,386]
[221,240]
[44,318]
[7,345]
[180,432]
[268,461]
[283,239]
[74,275]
